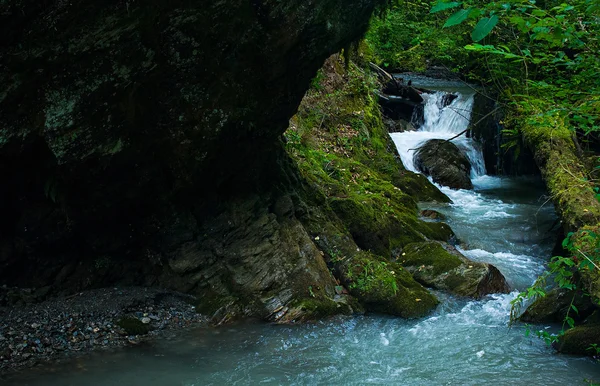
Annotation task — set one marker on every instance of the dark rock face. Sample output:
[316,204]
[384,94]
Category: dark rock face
[445,163]
[139,143]
[487,130]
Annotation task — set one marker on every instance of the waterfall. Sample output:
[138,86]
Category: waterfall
[442,123]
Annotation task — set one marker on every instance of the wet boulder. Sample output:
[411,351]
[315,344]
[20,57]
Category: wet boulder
[386,287]
[384,225]
[580,340]
[445,163]
[443,267]
[553,307]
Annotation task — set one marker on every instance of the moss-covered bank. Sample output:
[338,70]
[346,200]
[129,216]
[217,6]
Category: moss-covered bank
[344,152]
[568,178]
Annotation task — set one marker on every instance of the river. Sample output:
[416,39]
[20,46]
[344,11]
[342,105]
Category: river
[503,221]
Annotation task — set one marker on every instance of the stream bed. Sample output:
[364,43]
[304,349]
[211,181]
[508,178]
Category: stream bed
[503,221]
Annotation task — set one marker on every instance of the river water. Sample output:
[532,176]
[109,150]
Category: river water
[503,221]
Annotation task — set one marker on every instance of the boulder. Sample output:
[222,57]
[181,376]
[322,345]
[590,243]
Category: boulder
[433,215]
[383,286]
[398,125]
[385,225]
[553,307]
[580,340]
[445,163]
[443,267]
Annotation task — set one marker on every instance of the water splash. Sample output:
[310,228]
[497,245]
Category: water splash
[442,123]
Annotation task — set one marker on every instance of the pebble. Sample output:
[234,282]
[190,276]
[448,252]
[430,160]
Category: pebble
[63,327]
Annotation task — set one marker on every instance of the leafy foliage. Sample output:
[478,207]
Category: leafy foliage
[540,59]
[411,40]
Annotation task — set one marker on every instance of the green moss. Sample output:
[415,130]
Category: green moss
[430,255]
[133,326]
[344,152]
[564,173]
[419,187]
[386,287]
[580,340]
[321,308]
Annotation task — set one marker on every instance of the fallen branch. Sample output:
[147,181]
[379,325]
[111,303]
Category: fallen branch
[475,124]
[382,72]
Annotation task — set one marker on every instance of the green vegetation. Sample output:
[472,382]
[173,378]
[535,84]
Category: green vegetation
[344,153]
[540,61]
[409,39]
[386,287]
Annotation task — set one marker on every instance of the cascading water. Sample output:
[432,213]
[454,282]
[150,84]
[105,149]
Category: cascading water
[442,123]
[464,342]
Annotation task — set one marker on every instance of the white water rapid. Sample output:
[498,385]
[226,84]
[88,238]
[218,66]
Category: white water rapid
[443,123]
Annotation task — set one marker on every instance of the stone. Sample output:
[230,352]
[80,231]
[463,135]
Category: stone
[442,267]
[433,215]
[386,287]
[445,163]
[553,307]
[146,320]
[580,340]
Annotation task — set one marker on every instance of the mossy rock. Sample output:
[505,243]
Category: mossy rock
[133,326]
[444,268]
[420,188]
[579,340]
[383,227]
[322,308]
[553,307]
[437,231]
[386,287]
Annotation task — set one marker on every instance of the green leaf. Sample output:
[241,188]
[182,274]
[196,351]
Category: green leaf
[457,18]
[444,6]
[484,27]
[574,308]
[538,12]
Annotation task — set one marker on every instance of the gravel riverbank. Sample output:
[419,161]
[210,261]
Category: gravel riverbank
[97,319]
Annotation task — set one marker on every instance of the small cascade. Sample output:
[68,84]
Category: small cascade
[443,122]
